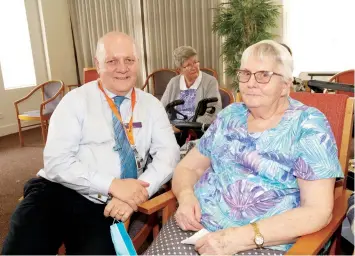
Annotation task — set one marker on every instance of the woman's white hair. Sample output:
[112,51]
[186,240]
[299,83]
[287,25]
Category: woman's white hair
[271,50]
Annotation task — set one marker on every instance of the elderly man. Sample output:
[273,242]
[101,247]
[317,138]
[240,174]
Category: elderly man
[98,144]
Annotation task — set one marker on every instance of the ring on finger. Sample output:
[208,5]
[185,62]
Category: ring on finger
[125,217]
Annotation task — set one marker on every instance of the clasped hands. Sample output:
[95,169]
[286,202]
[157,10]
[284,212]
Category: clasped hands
[127,194]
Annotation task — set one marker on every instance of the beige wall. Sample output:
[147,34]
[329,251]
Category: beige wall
[50,33]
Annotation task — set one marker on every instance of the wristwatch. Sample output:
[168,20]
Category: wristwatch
[258,238]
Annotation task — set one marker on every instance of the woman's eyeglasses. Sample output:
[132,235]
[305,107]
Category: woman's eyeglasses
[191,65]
[262,77]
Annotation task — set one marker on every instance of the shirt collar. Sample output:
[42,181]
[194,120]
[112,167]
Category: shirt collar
[112,95]
[195,85]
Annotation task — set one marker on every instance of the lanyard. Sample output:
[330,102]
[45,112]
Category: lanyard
[129,131]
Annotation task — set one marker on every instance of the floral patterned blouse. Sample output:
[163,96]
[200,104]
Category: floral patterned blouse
[254,175]
[188,108]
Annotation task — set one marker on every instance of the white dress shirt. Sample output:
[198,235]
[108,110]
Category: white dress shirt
[79,150]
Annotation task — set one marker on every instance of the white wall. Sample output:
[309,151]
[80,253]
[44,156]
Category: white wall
[53,53]
[278,31]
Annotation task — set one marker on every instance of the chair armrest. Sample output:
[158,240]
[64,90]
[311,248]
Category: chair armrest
[70,87]
[146,82]
[43,104]
[311,244]
[157,203]
[28,95]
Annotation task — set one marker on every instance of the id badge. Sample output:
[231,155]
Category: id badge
[139,161]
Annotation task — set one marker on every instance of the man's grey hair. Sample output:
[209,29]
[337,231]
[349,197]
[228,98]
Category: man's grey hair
[100,53]
[183,53]
[271,50]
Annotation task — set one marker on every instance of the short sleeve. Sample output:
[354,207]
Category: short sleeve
[205,144]
[316,149]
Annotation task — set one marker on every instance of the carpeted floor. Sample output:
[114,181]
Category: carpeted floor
[17,165]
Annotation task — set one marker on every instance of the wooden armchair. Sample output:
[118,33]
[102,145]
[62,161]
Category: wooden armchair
[339,111]
[226,97]
[210,71]
[90,74]
[157,81]
[52,93]
[345,77]
[72,86]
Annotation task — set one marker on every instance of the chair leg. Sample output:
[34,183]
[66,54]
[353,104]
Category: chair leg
[155,231]
[44,134]
[143,234]
[335,247]
[47,126]
[168,211]
[20,135]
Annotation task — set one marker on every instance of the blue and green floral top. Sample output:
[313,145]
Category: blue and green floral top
[254,175]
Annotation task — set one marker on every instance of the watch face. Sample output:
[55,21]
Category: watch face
[259,240]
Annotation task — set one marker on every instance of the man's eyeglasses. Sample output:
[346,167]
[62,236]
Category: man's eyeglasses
[262,77]
[191,65]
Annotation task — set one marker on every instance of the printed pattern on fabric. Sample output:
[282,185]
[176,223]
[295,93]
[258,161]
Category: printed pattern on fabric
[254,175]
[169,240]
[188,108]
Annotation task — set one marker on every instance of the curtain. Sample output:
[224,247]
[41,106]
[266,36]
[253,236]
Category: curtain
[91,19]
[158,27]
[169,24]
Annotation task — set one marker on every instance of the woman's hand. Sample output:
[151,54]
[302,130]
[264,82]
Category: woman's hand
[188,215]
[118,210]
[217,243]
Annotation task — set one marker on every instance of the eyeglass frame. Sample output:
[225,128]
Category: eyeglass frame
[189,67]
[251,73]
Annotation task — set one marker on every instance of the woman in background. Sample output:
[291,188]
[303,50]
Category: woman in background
[191,85]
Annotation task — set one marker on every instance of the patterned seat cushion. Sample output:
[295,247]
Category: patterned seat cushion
[169,238]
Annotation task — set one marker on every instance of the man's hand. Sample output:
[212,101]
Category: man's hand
[176,130]
[118,210]
[131,191]
[188,215]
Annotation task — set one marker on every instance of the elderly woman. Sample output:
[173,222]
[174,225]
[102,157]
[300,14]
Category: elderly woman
[262,175]
[191,85]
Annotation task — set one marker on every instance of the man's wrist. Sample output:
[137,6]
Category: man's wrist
[112,186]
